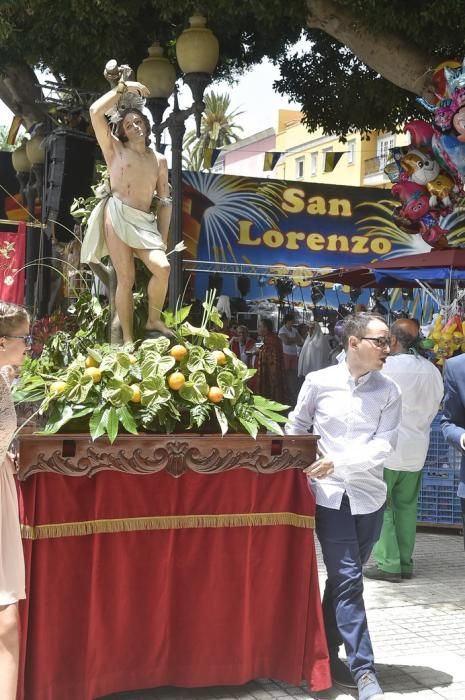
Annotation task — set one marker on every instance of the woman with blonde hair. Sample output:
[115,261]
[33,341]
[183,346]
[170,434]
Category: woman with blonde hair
[14,341]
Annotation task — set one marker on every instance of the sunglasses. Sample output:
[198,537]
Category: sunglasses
[381,342]
[27,338]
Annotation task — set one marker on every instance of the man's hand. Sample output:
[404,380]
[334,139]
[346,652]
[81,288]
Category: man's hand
[322,466]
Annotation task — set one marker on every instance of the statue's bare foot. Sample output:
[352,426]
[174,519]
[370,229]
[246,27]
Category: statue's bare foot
[156,329]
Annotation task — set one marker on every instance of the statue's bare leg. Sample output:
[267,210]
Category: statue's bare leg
[157,263]
[122,257]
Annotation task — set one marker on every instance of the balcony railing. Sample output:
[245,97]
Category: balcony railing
[375,166]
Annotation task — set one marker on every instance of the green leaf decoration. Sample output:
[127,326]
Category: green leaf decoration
[164,364]
[112,424]
[98,422]
[149,364]
[108,402]
[196,359]
[188,329]
[194,393]
[227,383]
[216,341]
[246,373]
[154,391]
[117,392]
[261,402]
[250,425]
[222,420]
[160,345]
[213,314]
[200,381]
[108,363]
[122,359]
[268,423]
[61,415]
[127,420]
[210,364]
[94,354]
[199,414]
[175,319]
[81,389]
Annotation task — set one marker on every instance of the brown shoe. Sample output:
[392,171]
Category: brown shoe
[378,574]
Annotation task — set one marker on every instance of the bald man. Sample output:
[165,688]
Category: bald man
[422,389]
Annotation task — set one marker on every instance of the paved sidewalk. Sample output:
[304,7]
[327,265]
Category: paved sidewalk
[417,628]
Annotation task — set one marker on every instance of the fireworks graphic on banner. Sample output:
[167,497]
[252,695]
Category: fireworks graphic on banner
[233,198]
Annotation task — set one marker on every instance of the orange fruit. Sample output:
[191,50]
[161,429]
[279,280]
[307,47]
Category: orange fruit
[178,352]
[95,373]
[90,362]
[58,387]
[136,393]
[215,394]
[132,359]
[176,380]
[219,356]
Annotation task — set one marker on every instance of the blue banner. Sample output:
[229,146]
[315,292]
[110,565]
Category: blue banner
[266,228]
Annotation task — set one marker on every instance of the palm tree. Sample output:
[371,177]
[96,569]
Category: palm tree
[217,129]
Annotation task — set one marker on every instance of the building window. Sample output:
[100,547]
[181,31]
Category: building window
[299,168]
[351,152]
[383,148]
[313,164]
[329,149]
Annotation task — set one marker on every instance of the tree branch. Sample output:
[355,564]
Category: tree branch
[19,91]
[387,53]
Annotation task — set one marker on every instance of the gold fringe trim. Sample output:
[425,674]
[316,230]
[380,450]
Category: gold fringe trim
[169,522]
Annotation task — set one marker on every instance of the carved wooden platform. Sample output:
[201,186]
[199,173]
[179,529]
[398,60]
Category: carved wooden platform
[74,454]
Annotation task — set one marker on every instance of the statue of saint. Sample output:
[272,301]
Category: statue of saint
[123,224]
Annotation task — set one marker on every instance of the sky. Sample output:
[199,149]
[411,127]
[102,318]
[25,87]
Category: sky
[253,95]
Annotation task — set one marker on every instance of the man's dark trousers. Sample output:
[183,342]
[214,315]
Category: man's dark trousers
[346,542]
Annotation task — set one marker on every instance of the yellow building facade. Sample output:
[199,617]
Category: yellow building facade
[304,154]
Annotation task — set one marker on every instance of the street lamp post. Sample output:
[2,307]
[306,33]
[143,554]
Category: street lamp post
[197,55]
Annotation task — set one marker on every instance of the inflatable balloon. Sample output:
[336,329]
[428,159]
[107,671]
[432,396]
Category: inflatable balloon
[423,169]
[415,207]
[445,337]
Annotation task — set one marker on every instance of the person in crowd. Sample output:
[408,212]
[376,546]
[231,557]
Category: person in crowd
[421,386]
[302,330]
[14,340]
[356,410]
[243,345]
[314,354]
[269,377]
[291,340]
[453,416]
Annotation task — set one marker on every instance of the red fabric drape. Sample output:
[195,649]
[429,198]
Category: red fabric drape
[188,607]
[12,258]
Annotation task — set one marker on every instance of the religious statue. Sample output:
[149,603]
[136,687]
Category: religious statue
[124,224]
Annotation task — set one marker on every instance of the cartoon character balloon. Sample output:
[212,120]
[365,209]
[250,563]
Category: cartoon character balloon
[416,211]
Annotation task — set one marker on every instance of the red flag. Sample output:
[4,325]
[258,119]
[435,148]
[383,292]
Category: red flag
[12,259]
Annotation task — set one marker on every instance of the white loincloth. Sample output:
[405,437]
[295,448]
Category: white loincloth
[134,227]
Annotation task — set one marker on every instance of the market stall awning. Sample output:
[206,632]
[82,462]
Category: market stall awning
[434,268]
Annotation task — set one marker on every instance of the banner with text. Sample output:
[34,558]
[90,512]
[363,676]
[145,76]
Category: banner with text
[242,224]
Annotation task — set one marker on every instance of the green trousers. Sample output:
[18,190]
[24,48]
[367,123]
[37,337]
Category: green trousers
[394,549]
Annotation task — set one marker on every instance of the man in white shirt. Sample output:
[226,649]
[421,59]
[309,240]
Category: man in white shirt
[356,411]
[421,386]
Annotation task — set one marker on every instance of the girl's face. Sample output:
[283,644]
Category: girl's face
[14,345]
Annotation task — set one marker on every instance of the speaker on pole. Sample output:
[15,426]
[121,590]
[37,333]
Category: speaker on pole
[69,171]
